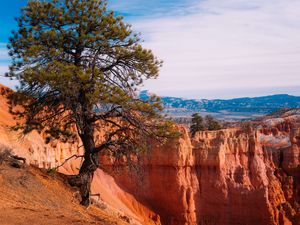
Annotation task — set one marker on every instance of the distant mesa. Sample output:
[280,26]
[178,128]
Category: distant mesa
[145,94]
[230,110]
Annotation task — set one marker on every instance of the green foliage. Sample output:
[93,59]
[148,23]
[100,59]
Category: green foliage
[79,67]
[52,171]
[212,123]
[200,124]
[197,124]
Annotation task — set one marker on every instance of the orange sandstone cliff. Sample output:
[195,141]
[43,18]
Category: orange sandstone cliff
[229,177]
[235,176]
[37,153]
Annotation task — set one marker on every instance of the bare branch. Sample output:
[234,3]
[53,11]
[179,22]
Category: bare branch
[71,157]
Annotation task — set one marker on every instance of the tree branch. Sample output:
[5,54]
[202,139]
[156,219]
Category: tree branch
[71,157]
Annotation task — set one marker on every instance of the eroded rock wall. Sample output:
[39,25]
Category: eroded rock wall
[235,176]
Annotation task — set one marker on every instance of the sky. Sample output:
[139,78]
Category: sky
[210,48]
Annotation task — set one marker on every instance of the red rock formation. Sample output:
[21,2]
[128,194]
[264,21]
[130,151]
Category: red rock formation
[37,153]
[226,177]
[235,176]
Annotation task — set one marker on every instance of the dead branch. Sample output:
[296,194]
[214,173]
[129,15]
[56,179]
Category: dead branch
[71,157]
[18,158]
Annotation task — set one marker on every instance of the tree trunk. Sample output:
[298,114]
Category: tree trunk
[85,175]
[90,164]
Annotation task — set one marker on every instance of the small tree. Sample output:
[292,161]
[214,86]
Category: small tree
[212,123]
[79,67]
[196,124]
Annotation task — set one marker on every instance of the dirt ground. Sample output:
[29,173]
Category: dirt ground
[29,196]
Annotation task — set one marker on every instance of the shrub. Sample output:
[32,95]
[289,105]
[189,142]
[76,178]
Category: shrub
[212,123]
[197,123]
[5,153]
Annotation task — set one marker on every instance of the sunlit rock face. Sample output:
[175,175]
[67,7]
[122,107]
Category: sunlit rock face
[248,176]
[235,176]
[32,146]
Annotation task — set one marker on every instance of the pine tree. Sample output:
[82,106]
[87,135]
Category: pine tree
[79,67]
[196,124]
[212,123]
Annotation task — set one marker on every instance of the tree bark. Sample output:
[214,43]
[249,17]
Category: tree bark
[90,164]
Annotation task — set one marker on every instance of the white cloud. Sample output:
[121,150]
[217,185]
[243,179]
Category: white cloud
[4,80]
[3,52]
[218,48]
[4,61]
[3,69]
[230,44]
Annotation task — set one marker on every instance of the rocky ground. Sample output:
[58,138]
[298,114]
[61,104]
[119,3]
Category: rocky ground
[29,196]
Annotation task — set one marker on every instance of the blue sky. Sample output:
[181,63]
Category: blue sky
[210,48]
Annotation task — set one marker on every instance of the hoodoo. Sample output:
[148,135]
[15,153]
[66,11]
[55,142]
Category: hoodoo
[244,175]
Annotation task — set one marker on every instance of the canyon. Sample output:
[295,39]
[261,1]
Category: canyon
[243,175]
